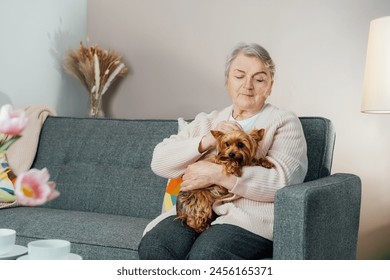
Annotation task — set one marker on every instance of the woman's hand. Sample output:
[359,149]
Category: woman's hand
[203,174]
[208,141]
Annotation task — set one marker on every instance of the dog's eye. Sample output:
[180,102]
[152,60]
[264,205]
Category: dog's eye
[240,145]
[227,144]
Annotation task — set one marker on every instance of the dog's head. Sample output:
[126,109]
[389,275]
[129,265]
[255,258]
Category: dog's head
[238,146]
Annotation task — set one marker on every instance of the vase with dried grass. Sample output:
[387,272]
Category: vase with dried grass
[96,69]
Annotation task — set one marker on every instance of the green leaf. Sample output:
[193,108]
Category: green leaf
[8,143]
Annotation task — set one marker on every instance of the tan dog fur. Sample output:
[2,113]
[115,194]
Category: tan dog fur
[234,150]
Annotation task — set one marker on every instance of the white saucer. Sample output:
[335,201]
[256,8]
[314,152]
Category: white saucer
[16,251]
[69,257]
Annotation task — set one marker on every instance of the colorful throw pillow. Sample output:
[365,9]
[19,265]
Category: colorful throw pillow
[173,185]
[7,181]
[171,192]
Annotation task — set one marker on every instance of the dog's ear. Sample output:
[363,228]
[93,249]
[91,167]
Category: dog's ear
[217,134]
[257,134]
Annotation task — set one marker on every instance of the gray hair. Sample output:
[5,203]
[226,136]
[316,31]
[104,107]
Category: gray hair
[254,50]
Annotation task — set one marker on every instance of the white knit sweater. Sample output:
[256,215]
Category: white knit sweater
[252,207]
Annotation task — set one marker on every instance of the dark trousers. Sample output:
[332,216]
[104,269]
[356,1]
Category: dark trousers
[171,239]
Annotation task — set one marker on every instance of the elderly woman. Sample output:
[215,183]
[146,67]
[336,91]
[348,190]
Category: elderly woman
[243,228]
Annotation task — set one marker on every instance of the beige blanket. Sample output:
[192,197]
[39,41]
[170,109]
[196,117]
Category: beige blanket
[22,153]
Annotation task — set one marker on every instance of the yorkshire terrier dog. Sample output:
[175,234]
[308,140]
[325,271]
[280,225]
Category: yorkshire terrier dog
[234,150]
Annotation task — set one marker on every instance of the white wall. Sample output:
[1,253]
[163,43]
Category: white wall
[34,36]
[176,51]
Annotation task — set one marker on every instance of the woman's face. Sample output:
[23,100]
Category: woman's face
[249,83]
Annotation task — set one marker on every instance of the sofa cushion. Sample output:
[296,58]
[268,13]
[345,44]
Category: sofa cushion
[93,235]
[103,165]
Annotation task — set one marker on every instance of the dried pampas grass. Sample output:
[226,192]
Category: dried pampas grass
[96,69]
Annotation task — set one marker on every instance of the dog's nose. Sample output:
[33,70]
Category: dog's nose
[232,155]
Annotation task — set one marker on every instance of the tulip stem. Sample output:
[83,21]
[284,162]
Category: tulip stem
[8,143]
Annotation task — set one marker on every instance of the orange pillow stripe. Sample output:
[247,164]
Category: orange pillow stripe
[171,192]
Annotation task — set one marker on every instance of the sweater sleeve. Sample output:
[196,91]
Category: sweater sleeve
[285,146]
[172,156]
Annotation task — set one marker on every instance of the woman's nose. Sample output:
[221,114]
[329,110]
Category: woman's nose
[248,83]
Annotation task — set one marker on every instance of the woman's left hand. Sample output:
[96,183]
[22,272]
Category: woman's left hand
[200,175]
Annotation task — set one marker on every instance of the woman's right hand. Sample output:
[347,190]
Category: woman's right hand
[208,141]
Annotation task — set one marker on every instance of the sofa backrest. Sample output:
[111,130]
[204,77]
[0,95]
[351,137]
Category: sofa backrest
[103,165]
[320,138]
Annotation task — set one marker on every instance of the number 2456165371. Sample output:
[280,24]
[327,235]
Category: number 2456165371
[265,270]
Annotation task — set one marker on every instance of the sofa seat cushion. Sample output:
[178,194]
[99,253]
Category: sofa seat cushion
[93,235]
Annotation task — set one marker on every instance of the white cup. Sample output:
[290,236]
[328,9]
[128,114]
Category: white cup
[7,240]
[48,249]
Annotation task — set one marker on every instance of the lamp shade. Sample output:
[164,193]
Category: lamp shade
[376,87]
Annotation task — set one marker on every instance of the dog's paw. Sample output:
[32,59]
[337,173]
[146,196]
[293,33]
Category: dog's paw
[265,163]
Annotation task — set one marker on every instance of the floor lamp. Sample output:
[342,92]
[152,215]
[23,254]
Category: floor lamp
[376,87]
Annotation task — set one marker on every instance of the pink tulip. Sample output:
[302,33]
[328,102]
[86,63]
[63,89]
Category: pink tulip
[33,188]
[12,122]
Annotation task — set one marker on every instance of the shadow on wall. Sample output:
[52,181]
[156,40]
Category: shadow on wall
[4,99]
[375,244]
[72,97]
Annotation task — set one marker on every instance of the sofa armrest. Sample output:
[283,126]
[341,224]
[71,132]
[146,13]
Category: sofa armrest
[318,219]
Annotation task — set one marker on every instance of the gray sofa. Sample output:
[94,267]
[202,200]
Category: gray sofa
[109,193]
